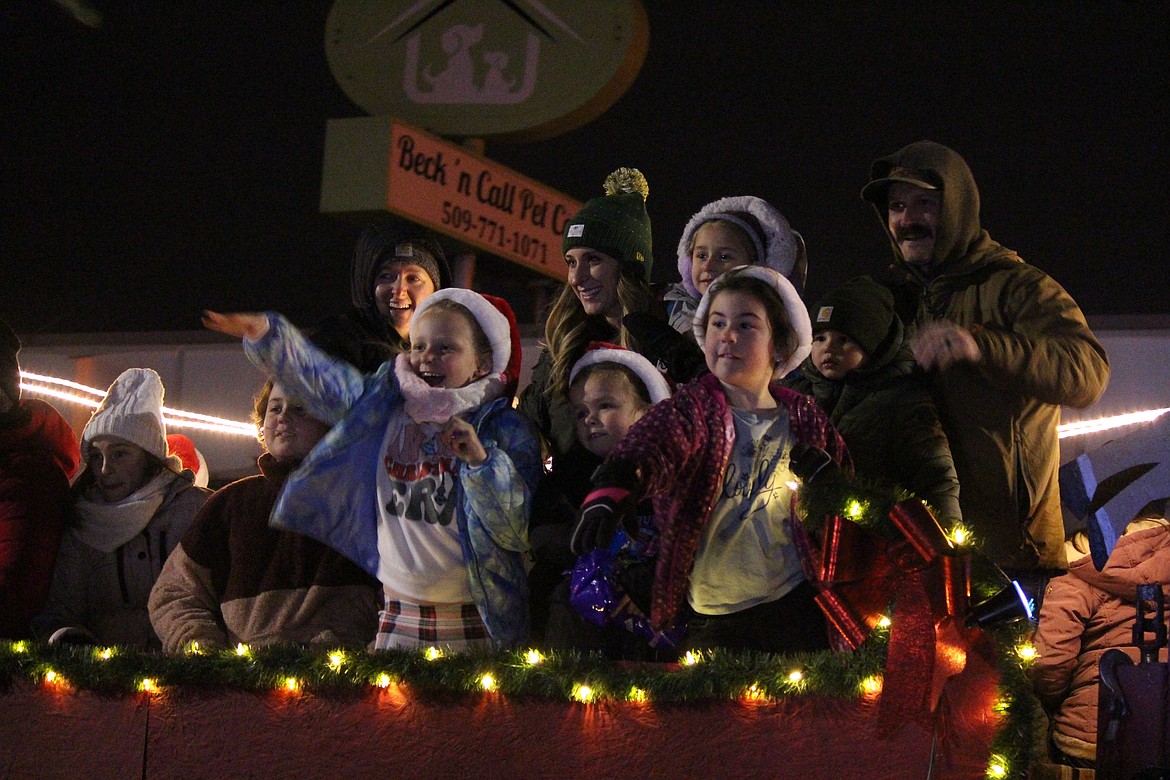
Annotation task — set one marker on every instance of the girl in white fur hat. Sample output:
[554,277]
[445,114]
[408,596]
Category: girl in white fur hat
[729,232]
[716,460]
[425,479]
[132,503]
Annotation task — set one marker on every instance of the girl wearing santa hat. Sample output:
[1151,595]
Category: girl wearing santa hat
[426,477]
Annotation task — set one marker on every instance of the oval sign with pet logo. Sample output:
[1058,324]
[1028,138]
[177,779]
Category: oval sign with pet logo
[507,69]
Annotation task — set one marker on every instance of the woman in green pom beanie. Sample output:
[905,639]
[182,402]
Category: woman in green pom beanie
[607,248]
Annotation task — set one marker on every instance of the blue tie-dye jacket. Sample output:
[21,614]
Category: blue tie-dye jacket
[333,495]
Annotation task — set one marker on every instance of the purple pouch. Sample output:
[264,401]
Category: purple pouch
[597,595]
[593,590]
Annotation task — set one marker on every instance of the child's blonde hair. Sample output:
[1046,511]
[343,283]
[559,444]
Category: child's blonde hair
[494,334]
[1145,524]
[483,345]
[1077,544]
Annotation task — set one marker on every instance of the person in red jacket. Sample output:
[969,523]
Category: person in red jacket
[38,455]
[1087,612]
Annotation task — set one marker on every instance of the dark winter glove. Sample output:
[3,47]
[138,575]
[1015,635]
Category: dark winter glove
[664,346]
[811,463]
[601,512]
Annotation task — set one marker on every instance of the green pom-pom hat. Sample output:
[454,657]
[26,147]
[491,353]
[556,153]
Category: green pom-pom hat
[616,224]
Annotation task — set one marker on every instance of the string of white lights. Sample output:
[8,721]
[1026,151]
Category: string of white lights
[72,392]
[1107,423]
[50,386]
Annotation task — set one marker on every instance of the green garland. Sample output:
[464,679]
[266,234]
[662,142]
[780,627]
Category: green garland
[863,502]
[718,676]
[1015,739]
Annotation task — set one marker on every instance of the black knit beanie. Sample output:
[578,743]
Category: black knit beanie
[9,366]
[616,224]
[860,308]
[394,240]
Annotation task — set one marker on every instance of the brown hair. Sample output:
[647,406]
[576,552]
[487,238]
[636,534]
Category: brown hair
[87,479]
[641,392]
[784,336]
[567,330]
[260,407]
[748,241]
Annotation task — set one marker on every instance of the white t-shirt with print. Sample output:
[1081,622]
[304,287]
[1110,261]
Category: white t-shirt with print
[420,558]
[746,556]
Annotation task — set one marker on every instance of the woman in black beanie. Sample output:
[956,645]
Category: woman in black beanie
[396,266]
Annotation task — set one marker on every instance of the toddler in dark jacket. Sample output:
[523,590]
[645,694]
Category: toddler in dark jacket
[862,374]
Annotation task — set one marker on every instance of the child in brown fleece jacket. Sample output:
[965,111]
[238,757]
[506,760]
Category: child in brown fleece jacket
[233,579]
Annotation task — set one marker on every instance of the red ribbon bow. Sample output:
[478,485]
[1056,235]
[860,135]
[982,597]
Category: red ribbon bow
[858,576]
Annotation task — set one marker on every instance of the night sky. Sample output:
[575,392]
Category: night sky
[170,159]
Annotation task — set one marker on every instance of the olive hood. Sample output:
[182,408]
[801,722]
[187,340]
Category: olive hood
[934,166]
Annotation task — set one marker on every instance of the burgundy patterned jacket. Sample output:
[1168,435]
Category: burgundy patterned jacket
[681,448]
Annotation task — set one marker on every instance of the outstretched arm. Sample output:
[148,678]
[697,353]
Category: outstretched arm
[242,324]
[327,387]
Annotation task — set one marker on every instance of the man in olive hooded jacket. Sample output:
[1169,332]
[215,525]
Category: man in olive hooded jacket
[1004,345]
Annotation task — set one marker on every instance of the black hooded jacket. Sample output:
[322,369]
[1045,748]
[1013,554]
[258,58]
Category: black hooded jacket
[362,336]
[886,416]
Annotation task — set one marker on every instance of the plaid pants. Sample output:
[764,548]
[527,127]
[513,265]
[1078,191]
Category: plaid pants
[455,627]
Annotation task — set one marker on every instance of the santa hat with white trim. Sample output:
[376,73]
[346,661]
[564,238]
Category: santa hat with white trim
[512,371]
[793,306]
[600,352]
[180,445]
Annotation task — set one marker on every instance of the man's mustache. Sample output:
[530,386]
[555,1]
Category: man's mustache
[913,231]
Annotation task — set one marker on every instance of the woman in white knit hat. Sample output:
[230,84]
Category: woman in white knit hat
[132,502]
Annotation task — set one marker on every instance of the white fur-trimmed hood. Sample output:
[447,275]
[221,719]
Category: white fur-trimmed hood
[783,248]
